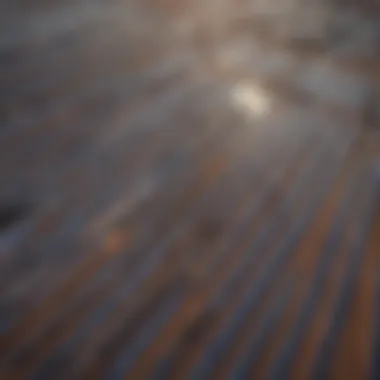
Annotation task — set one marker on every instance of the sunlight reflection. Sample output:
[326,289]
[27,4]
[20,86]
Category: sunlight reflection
[251,98]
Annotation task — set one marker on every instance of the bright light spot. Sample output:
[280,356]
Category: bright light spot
[252,99]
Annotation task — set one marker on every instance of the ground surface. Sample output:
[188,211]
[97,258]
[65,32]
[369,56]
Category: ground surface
[189,190]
